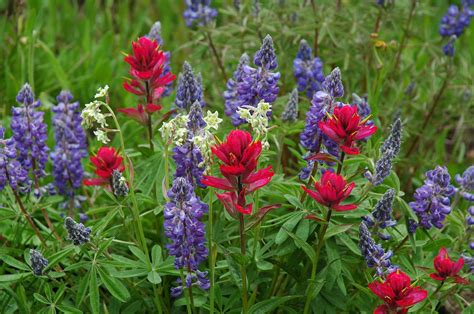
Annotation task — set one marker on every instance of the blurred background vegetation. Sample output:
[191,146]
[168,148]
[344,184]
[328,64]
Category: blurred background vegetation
[79,45]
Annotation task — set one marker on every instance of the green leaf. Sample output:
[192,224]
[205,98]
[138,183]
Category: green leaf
[94,291]
[68,309]
[15,263]
[138,253]
[40,298]
[294,201]
[14,277]
[305,246]
[57,257]
[156,255]
[336,229]
[269,305]
[154,277]
[289,225]
[82,290]
[115,287]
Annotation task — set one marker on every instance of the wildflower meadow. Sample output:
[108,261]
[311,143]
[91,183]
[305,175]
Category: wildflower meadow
[225,156]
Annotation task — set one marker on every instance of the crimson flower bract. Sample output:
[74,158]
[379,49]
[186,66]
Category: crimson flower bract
[147,68]
[446,268]
[345,128]
[397,293]
[331,191]
[106,161]
[239,154]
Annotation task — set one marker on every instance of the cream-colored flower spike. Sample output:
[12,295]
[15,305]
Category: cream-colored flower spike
[258,120]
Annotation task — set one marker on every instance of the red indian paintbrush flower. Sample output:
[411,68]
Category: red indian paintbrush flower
[239,154]
[331,191]
[345,128]
[106,161]
[397,293]
[147,68]
[446,268]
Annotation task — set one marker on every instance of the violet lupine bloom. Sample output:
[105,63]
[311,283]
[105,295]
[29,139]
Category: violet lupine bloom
[155,34]
[308,71]
[412,225]
[71,146]
[199,12]
[374,254]
[454,23]
[77,232]
[188,157]
[183,226]
[11,171]
[231,94]
[30,133]
[260,83]
[38,262]
[381,217]
[189,89]
[432,200]
[290,114]
[466,184]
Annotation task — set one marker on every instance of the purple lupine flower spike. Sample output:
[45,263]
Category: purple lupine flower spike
[381,217]
[374,254]
[30,133]
[189,163]
[432,200]
[189,88]
[290,114]
[466,184]
[363,107]
[453,25]
[307,70]
[195,119]
[11,171]
[199,12]
[183,226]
[77,232]
[333,84]
[232,100]
[38,262]
[260,83]
[71,145]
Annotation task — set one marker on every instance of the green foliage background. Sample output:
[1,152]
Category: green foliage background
[79,45]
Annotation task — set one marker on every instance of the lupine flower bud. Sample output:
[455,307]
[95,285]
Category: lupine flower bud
[466,184]
[231,94]
[412,226]
[393,142]
[333,84]
[38,262]
[30,133]
[155,33]
[382,214]
[77,232]
[183,226]
[83,217]
[11,171]
[195,119]
[71,146]
[188,159]
[363,107]
[290,114]
[383,167]
[119,184]
[189,89]
[308,71]
[375,256]
[432,200]
[199,12]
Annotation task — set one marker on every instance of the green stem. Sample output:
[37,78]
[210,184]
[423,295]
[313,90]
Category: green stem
[433,294]
[243,270]
[321,234]
[211,260]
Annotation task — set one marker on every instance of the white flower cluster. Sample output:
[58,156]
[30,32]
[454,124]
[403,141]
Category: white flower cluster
[92,115]
[258,120]
[175,130]
[205,139]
